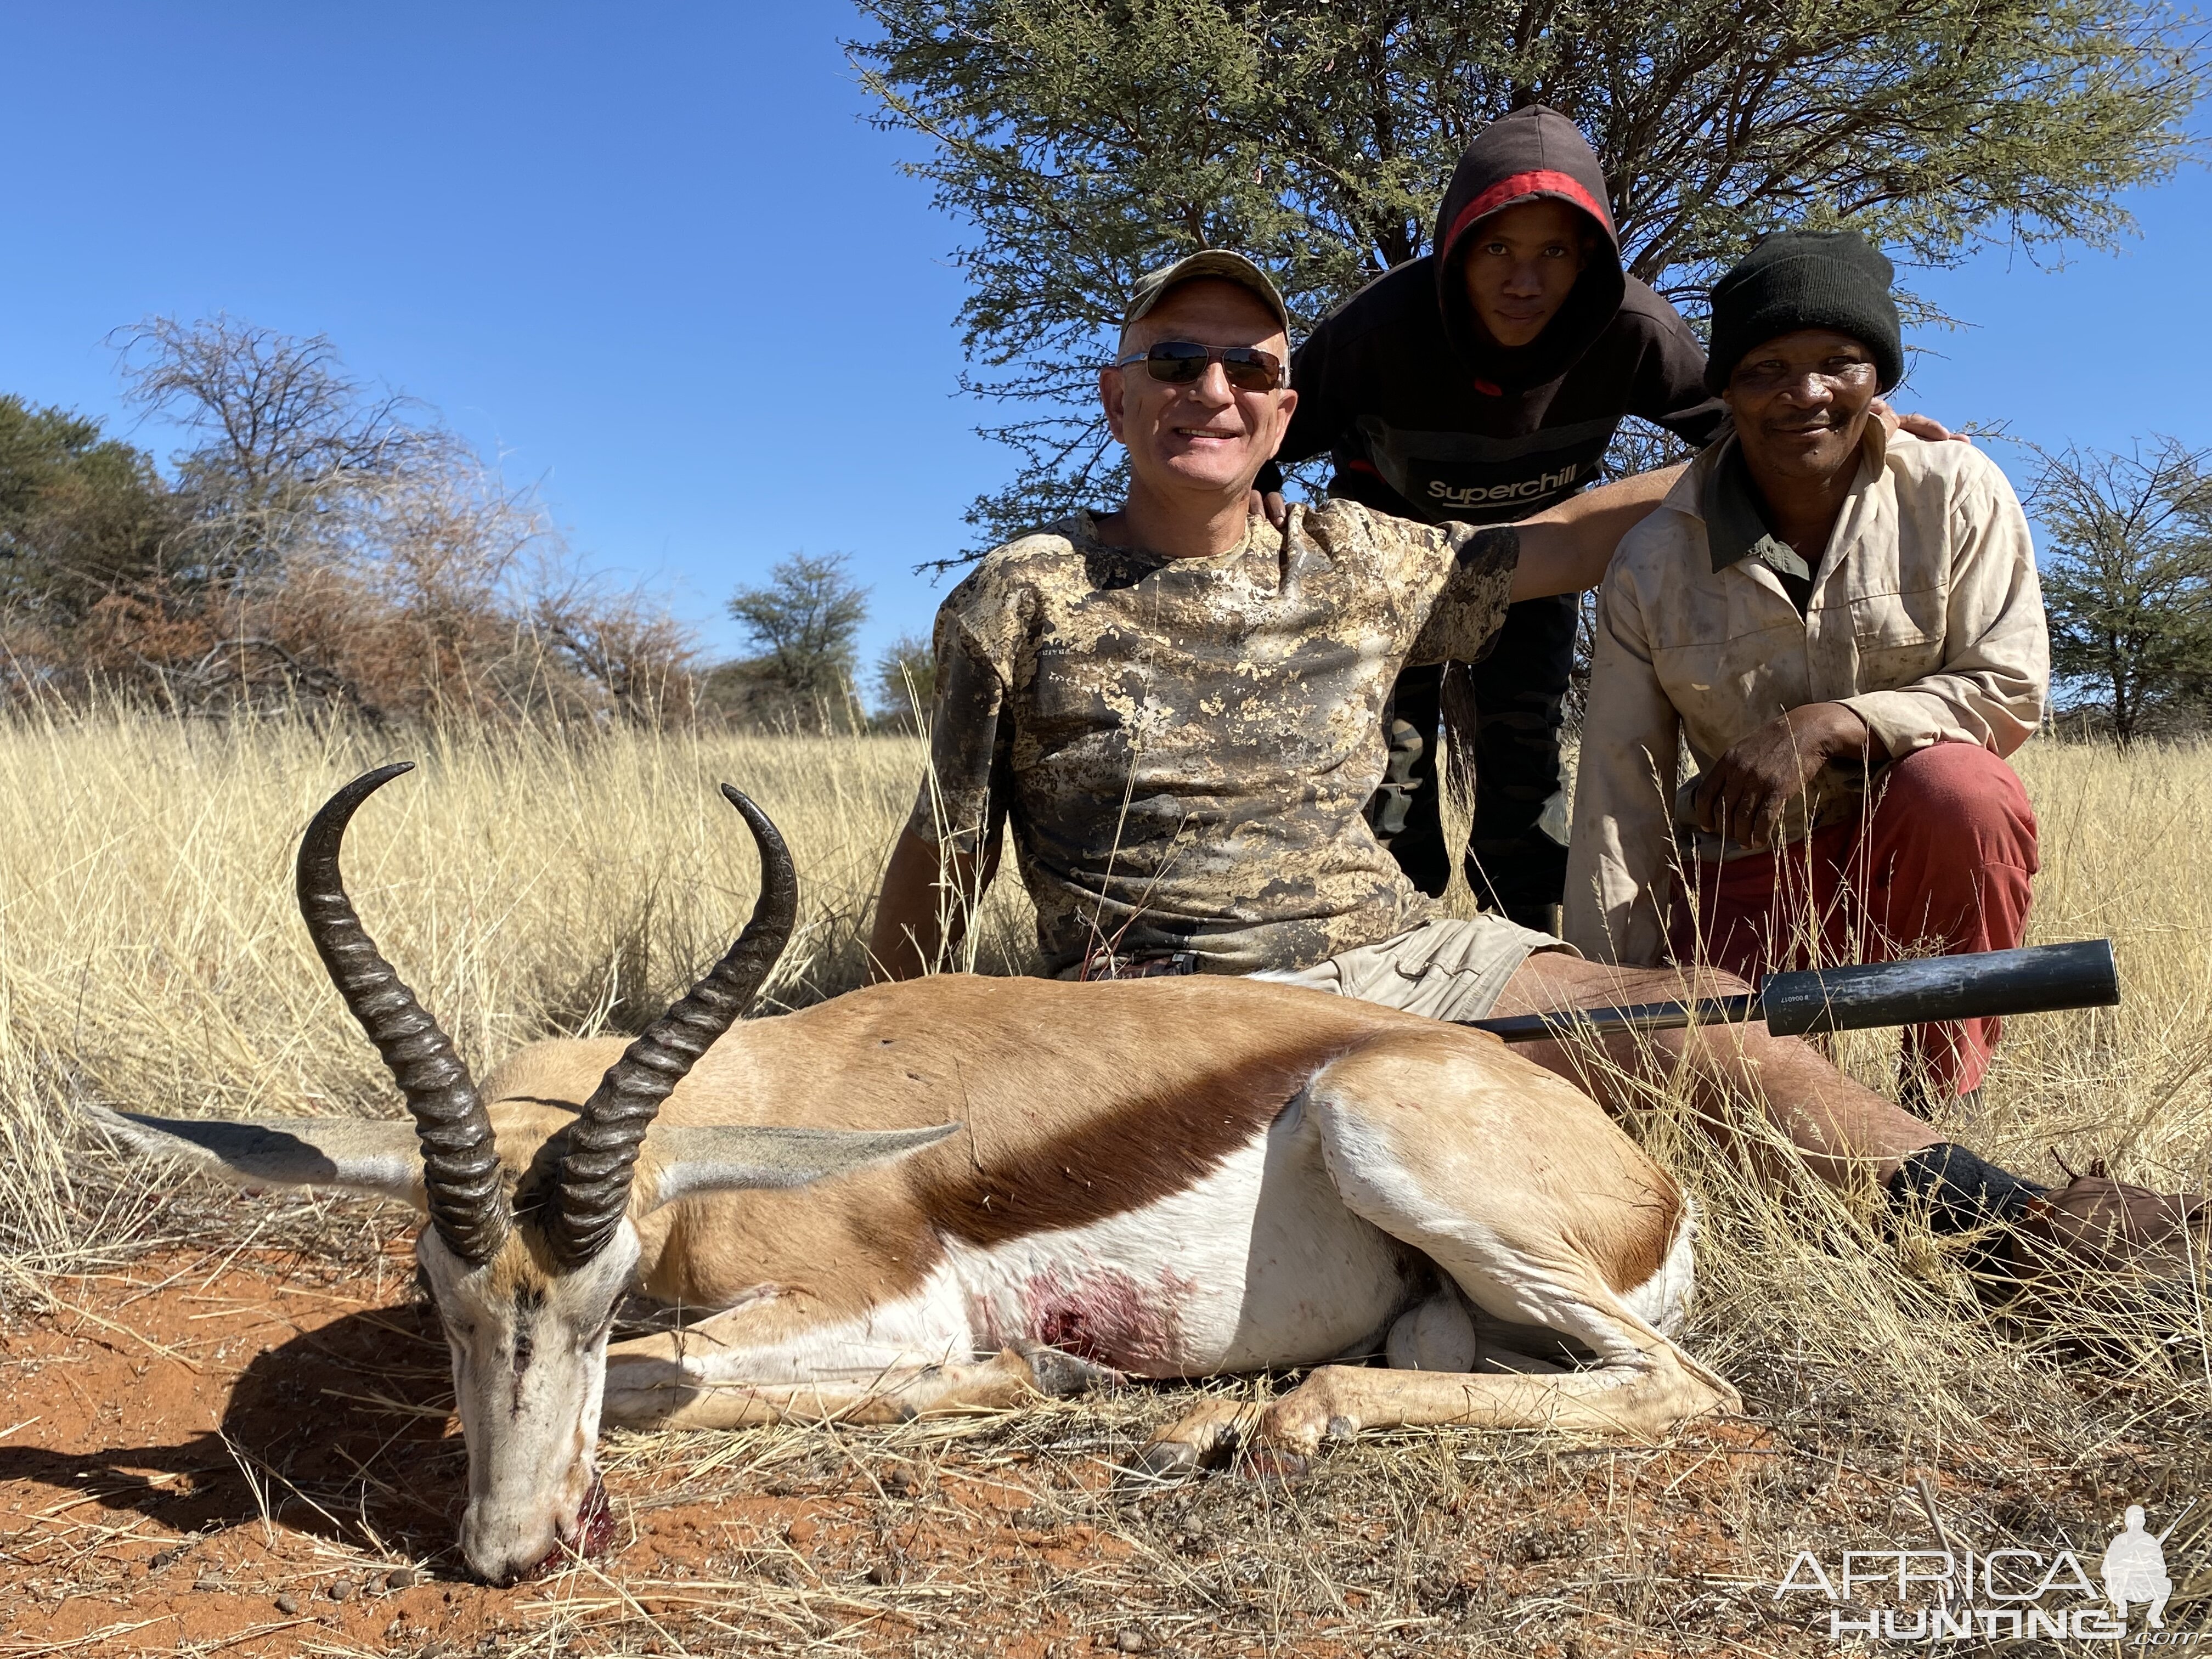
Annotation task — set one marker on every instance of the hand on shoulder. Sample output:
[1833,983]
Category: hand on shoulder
[1926,428]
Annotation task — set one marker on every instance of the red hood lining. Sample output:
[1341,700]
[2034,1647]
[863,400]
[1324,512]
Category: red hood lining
[1513,188]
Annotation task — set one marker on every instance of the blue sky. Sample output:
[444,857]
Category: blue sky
[655,257]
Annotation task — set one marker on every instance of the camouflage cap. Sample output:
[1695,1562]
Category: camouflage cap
[1153,286]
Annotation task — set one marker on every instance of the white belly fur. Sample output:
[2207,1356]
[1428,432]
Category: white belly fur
[1259,1264]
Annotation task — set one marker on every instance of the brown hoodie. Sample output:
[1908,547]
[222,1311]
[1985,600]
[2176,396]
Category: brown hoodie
[1425,416]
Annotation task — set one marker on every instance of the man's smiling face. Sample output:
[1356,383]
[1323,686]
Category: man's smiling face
[1801,403]
[1207,438]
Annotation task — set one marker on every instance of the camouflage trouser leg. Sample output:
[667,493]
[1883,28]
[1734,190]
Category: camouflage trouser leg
[1516,855]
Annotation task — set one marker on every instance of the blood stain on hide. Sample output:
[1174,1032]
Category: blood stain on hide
[1106,1316]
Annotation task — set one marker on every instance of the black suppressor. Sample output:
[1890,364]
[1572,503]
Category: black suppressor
[1982,985]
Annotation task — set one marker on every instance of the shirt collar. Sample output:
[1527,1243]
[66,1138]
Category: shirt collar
[1736,518]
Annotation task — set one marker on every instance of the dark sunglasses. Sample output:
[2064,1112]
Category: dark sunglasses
[1181,363]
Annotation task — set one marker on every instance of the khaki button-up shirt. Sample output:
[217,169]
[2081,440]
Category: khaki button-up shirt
[1925,618]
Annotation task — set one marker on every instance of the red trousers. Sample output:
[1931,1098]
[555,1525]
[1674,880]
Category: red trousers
[1940,861]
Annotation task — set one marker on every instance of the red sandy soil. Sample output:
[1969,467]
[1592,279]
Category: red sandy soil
[252,1454]
[155,1415]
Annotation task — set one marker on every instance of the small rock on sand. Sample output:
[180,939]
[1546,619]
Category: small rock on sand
[401,1578]
[287,1603]
[1130,1641]
[341,1590]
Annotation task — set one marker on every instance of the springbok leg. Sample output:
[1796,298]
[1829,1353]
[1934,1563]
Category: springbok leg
[1542,1211]
[720,1374]
[1006,1379]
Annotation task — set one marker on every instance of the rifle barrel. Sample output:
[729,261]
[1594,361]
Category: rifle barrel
[1606,1022]
[1978,985]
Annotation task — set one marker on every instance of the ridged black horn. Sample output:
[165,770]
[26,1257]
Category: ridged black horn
[460,1167]
[593,1190]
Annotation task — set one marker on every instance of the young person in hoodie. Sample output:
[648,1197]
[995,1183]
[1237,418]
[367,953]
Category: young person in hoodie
[1480,384]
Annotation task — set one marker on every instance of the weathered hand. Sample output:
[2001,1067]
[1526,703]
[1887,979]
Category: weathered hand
[1272,505]
[1744,795]
[1924,426]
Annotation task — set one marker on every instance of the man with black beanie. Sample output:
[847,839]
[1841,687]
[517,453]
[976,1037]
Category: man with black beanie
[1843,623]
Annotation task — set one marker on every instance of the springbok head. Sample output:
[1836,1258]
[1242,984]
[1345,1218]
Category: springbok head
[531,1245]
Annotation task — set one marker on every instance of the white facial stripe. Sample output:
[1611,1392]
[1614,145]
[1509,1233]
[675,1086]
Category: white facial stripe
[529,1368]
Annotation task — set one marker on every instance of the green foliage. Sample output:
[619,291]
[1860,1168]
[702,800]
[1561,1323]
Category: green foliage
[906,680]
[1081,143]
[82,516]
[803,624]
[2127,583]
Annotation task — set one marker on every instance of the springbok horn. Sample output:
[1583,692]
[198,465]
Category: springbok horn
[460,1168]
[594,1188]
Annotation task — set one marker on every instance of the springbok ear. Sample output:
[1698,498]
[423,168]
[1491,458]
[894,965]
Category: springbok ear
[361,1156]
[699,1157]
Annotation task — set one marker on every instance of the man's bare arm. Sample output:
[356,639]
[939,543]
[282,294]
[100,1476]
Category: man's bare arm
[1566,549]
[923,910]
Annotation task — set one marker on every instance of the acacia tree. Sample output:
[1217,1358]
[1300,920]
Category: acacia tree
[802,625]
[906,681]
[80,514]
[2127,580]
[289,450]
[1080,142]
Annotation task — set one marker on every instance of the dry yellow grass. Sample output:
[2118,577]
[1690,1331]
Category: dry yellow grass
[151,954]
[150,957]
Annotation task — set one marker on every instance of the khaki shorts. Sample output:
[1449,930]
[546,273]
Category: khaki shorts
[1449,969]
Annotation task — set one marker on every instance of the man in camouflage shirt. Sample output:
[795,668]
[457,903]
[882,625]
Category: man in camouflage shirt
[1189,741]
[1179,707]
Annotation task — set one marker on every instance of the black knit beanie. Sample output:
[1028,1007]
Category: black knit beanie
[1807,279]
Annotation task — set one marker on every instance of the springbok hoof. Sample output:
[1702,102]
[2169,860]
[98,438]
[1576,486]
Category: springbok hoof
[1166,1461]
[1062,1376]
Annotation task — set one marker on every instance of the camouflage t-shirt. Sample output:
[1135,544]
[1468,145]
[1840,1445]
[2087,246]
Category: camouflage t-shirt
[1185,744]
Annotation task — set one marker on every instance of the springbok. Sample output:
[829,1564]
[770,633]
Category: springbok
[1026,1186]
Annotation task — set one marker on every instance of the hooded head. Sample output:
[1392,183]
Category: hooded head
[1533,155]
